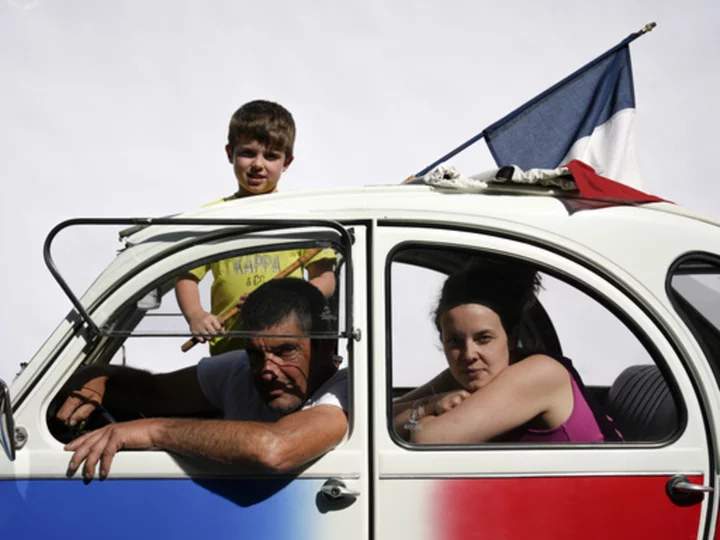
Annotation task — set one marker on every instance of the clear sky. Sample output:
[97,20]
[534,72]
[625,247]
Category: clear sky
[121,108]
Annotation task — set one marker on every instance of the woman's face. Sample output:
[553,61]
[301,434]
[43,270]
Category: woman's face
[475,344]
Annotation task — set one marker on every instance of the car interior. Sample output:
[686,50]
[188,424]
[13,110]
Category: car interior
[639,400]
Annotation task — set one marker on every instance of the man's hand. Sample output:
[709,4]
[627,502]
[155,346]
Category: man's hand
[202,322]
[76,409]
[102,445]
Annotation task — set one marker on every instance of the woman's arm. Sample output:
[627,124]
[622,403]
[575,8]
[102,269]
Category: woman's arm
[536,388]
[408,414]
[443,382]
[439,394]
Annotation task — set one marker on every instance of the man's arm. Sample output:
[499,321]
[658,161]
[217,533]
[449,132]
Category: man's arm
[280,446]
[321,274]
[121,388]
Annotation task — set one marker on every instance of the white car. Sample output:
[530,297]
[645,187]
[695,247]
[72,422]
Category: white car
[631,294]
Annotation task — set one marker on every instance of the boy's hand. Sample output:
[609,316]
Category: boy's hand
[205,323]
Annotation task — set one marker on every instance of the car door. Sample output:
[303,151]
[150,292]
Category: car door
[569,490]
[694,290]
[151,494]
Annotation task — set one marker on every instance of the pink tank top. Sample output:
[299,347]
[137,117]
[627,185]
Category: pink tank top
[579,427]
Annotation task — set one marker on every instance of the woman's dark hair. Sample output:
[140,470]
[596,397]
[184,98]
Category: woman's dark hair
[508,289]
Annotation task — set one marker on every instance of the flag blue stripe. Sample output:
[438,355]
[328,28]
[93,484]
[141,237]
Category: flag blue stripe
[540,134]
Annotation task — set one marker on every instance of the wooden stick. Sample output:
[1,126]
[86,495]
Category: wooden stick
[233,311]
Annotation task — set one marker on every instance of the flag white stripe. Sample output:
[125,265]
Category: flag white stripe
[611,150]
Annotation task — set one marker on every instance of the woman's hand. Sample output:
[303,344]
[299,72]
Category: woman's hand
[446,402]
[407,414]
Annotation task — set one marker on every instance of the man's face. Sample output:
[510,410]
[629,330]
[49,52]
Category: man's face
[257,168]
[281,366]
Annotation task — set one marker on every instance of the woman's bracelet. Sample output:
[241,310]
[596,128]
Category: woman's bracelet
[416,414]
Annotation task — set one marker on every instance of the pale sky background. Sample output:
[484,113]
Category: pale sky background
[113,109]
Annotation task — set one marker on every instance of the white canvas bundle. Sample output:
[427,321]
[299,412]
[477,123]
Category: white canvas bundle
[448,177]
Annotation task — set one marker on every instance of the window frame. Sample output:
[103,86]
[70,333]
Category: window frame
[104,345]
[567,279]
[234,228]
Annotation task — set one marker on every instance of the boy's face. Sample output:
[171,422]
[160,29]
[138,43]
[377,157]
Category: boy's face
[257,168]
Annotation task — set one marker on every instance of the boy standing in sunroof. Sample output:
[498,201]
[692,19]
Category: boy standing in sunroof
[260,148]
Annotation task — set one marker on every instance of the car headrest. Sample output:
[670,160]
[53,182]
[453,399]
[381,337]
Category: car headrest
[641,404]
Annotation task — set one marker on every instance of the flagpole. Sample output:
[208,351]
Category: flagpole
[452,153]
[632,37]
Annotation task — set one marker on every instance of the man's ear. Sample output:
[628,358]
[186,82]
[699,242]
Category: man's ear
[325,349]
[229,153]
[288,161]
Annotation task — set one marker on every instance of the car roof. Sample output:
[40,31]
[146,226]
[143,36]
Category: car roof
[536,207]
[610,234]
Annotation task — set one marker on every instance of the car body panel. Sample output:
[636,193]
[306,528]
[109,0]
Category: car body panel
[620,253]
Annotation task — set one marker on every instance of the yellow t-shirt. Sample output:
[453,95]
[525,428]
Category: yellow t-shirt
[234,277]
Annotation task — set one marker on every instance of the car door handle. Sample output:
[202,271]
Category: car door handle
[679,486]
[335,489]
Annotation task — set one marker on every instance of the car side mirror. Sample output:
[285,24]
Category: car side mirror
[7,425]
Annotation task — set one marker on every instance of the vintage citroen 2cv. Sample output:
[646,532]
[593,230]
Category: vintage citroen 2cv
[631,292]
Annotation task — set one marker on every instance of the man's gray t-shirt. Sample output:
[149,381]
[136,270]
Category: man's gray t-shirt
[227,383]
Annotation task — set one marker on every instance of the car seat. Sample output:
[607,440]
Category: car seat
[641,404]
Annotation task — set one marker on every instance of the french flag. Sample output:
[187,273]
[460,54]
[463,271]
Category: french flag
[589,116]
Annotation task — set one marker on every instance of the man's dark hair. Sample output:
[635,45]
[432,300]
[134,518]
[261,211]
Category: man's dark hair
[274,301]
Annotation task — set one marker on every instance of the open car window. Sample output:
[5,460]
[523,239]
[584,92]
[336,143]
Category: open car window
[141,323]
[623,377]
[154,321]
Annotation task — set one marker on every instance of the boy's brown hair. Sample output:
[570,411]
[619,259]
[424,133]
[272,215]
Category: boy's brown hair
[268,123]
